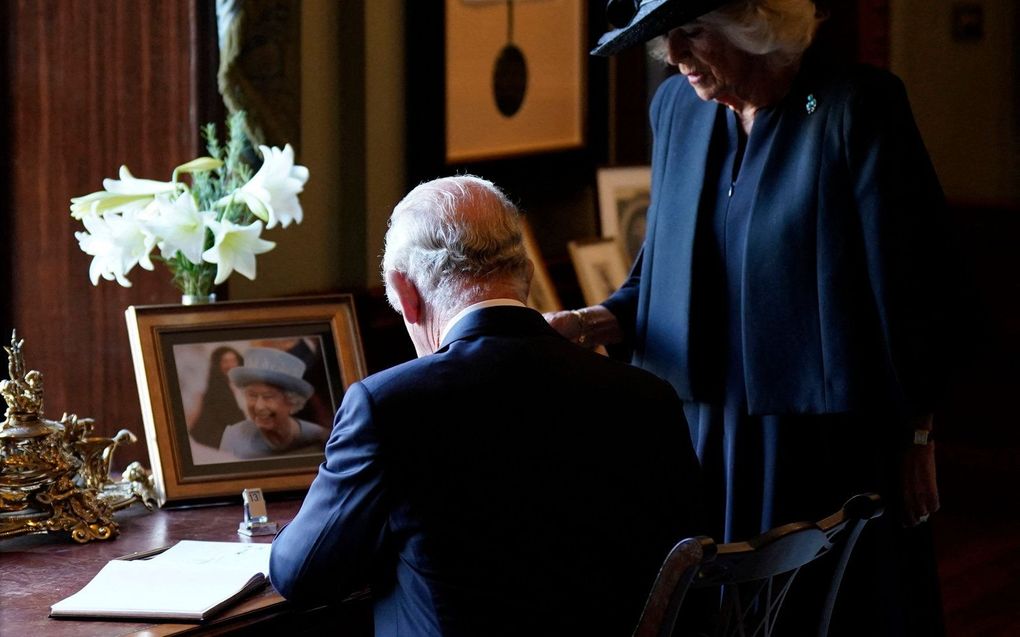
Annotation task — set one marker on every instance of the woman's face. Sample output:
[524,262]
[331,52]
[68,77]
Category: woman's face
[228,362]
[267,407]
[716,69]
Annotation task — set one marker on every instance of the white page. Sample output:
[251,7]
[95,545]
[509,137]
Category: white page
[253,558]
[191,580]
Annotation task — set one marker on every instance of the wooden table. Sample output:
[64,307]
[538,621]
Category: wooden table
[39,570]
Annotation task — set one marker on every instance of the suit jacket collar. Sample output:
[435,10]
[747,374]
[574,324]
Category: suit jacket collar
[503,320]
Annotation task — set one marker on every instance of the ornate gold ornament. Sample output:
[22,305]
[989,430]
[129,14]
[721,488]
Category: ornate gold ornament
[55,476]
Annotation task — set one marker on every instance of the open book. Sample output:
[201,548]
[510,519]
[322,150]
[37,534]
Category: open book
[191,581]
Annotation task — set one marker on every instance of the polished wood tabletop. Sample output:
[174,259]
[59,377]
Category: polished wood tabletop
[36,571]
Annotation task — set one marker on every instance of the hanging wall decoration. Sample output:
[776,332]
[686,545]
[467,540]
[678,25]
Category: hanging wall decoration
[515,77]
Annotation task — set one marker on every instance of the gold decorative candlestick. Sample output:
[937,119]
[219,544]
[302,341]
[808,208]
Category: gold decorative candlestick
[55,476]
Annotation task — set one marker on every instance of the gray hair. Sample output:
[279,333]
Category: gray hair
[779,29]
[294,400]
[453,237]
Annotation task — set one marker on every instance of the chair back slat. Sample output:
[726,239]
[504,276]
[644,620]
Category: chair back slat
[755,577]
[798,545]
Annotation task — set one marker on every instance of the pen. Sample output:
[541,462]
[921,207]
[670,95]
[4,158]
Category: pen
[139,555]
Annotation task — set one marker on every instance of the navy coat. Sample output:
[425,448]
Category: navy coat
[512,483]
[843,280]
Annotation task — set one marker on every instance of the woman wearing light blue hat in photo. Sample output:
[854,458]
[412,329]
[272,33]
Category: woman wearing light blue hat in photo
[274,391]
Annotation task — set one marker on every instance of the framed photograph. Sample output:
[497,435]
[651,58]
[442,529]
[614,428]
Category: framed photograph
[542,295]
[239,395]
[503,89]
[515,77]
[624,195]
[601,267]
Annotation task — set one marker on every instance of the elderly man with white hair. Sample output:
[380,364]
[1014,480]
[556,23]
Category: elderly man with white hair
[505,482]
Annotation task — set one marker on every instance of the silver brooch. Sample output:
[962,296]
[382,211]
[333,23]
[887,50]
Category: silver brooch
[811,105]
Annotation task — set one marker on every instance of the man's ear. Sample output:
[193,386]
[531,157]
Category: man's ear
[407,295]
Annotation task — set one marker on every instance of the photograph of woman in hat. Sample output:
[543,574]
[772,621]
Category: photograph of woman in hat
[274,390]
[794,286]
[219,406]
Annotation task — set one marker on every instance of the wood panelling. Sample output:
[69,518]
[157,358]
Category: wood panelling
[6,48]
[93,85]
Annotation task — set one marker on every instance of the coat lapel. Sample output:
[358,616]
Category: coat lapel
[683,136]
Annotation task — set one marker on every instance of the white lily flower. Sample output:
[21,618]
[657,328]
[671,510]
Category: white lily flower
[273,191]
[121,195]
[129,218]
[179,227]
[234,248]
[97,203]
[128,184]
[117,243]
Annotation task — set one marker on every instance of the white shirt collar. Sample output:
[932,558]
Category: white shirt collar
[471,308]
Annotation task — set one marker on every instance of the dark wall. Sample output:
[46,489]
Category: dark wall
[556,191]
[91,86]
[978,441]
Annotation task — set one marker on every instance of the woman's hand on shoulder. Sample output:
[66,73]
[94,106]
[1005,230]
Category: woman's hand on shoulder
[588,327]
[564,322]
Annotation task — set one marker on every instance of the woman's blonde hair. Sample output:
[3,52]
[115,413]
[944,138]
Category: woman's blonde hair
[779,29]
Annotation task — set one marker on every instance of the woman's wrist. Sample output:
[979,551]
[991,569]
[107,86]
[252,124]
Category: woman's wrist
[920,434]
[596,325]
[583,326]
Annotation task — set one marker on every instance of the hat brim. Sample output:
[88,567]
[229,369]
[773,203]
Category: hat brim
[244,376]
[652,20]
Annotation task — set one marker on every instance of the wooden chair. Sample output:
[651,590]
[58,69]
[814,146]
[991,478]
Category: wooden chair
[755,576]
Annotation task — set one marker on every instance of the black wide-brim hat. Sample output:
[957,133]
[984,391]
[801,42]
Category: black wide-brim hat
[652,18]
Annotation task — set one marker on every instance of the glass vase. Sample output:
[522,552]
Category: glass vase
[198,299]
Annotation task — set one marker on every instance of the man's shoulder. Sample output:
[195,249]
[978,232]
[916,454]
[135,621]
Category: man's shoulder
[633,378]
[500,362]
[394,379]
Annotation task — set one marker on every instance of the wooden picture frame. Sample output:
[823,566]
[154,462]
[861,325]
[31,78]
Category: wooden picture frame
[515,77]
[302,352]
[600,266]
[542,294]
[431,89]
[624,196]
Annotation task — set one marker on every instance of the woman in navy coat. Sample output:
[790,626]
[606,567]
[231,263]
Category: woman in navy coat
[790,286]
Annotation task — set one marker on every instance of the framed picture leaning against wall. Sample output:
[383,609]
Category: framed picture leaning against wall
[624,196]
[242,394]
[601,267]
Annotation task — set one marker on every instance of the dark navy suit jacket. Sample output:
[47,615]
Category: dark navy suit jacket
[512,483]
[845,279]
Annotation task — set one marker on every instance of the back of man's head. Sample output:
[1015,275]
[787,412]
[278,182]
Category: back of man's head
[459,240]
